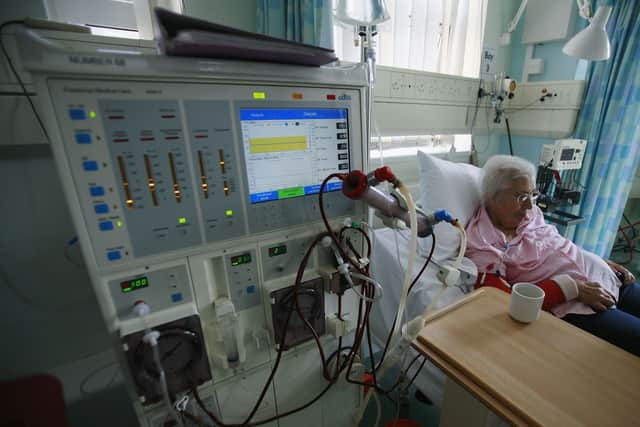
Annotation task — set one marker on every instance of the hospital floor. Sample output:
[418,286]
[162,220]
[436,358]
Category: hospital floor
[424,414]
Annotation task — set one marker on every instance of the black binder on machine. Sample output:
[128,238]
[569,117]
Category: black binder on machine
[182,35]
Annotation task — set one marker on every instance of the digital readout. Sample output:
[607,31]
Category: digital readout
[277,250]
[240,259]
[133,284]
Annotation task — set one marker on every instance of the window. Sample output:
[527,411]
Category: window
[441,36]
[408,145]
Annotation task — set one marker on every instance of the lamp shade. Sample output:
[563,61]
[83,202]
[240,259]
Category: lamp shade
[361,12]
[592,43]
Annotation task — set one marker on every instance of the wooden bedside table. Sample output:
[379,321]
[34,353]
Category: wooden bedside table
[546,373]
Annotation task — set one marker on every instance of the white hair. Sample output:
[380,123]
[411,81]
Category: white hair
[500,171]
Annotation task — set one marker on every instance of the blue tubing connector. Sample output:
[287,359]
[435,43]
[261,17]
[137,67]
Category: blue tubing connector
[443,215]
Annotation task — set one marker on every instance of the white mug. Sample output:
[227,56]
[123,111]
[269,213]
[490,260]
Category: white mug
[526,302]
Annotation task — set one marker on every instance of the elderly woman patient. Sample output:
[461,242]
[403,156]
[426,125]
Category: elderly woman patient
[510,242]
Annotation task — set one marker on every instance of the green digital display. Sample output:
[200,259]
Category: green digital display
[240,259]
[133,284]
[277,250]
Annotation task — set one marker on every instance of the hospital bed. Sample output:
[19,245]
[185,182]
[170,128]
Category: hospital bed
[388,267]
[443,184]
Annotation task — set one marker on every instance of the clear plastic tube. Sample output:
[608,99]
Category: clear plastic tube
[229,325]
[463,244]
[413,244]
[378,286]
[163,384]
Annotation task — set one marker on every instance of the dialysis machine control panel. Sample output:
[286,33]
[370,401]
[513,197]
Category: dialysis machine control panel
[157,168]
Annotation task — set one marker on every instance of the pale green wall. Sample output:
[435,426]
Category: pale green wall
[499,14]
[11,9]
[237,13]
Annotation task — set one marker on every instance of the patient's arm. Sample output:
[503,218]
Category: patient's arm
[553,293]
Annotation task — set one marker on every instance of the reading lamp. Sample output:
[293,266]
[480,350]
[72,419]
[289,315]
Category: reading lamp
[592,43]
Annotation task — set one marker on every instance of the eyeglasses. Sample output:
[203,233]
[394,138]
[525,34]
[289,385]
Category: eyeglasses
[523,197]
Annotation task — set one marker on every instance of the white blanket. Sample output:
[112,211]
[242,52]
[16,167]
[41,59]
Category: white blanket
[388,265]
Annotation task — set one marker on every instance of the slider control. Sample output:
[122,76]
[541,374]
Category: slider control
[125,182]
[221,157]
[174,176]
[150,180]
[203,176]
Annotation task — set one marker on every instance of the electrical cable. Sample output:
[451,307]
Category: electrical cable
[473,120]
[424,360]
[246,422]
[506,122]
[378,409]
[32,303]
[404,372]
[79,264]
[87,379]
[374,388]
[538,99]
[629,245]
[17,76]
[415,280]
[630,224]
[219,423]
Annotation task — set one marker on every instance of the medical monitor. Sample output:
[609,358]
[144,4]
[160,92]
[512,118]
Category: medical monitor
[290,151]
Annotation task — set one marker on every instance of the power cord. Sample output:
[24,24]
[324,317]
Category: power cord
[17,76]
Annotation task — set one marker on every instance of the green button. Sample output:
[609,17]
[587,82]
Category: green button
[290,192]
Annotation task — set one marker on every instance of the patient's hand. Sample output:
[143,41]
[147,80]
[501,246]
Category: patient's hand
[594,295]
[625,276]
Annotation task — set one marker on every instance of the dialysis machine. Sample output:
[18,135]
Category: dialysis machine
[193,186]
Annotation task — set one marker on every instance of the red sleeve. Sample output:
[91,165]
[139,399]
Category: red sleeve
[553,295]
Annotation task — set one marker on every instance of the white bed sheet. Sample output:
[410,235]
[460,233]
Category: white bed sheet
[390,247]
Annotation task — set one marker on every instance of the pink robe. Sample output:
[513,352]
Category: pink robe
[537,252]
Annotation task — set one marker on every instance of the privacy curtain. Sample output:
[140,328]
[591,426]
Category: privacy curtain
[610,121]
[305,21]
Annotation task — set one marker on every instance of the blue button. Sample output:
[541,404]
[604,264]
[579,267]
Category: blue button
[96,191]
[101,208]
[90,165]
[106,226]
[251,289]
[77,114]
[83,138]
[177,297]
[113,255]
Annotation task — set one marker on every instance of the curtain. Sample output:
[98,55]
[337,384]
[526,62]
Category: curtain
[304,21]
[610,121]
[441,36]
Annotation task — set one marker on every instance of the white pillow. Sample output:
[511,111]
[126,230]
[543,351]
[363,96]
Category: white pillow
[451,186]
